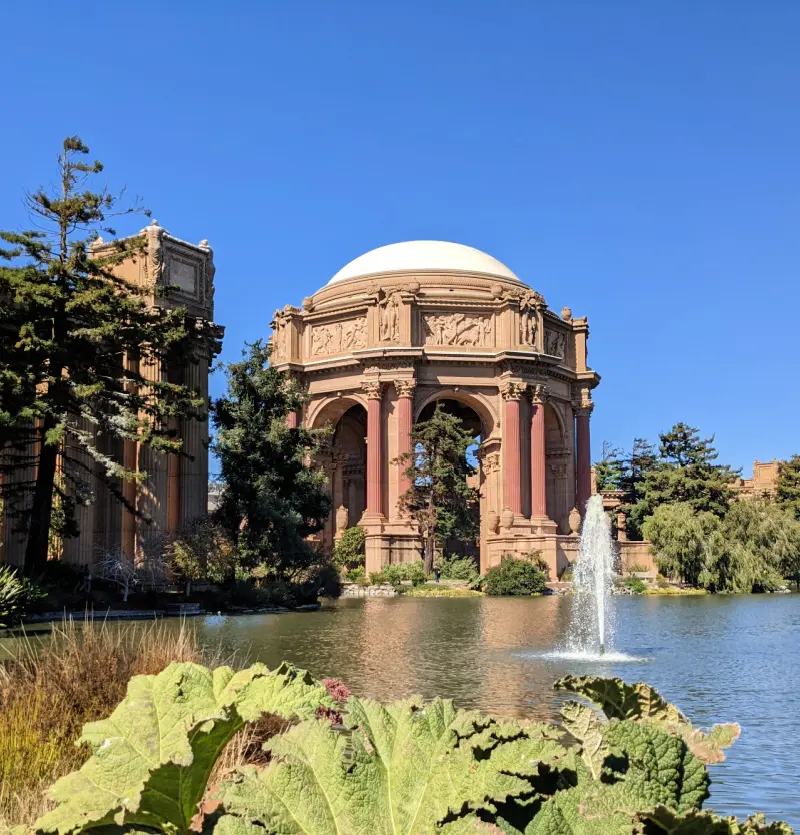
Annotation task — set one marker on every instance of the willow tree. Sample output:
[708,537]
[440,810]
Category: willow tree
[69,328]
[440,498]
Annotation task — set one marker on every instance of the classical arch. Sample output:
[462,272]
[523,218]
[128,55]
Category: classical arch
[330,409]
[472,399]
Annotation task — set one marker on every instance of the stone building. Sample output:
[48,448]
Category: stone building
[176,488]
[410,324]
[764,482]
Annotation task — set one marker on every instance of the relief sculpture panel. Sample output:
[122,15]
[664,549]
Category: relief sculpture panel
[555,344]
[458,329]
[338,337]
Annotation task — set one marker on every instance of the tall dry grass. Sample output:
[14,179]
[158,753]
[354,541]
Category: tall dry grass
[49,689]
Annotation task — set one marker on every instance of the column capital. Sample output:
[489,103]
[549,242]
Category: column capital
[373,389]
[539,393]
[582,402]
[405,388]
[512,389]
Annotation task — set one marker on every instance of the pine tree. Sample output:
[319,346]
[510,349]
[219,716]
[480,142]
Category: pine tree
[271,500]
[440,499]
[69,327]
[686,472]
[788,489]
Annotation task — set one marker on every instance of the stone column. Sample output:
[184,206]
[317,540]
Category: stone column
[405,422]
[584,451]
[291,419]
[538,454]
[622,527]
[374,392]
[192,492]
[512,394]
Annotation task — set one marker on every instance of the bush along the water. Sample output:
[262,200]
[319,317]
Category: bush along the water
[631,765]
[452,567]
[396,573]
[517,577]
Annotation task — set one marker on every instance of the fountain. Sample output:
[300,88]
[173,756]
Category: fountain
[591,630]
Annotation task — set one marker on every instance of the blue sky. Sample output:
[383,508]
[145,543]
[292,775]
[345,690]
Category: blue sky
[637,161]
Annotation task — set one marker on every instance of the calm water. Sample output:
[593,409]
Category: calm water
[719,659]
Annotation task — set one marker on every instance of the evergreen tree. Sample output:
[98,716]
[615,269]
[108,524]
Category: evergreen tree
[68,326]
[439,498]
[271,500]
[635,467]
[609,471]
[788,491]
[686,472]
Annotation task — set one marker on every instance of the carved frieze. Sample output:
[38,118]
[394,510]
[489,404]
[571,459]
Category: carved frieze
[338,337]
[458,329]
[555,343]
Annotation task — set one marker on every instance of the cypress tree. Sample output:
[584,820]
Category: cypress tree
[271,499]
[439,498]
[788,488]
[69,327]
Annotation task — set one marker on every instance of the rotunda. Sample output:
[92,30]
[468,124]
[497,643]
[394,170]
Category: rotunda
[412,323]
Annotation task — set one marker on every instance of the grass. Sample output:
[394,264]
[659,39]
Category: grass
[49,690]
[673,590]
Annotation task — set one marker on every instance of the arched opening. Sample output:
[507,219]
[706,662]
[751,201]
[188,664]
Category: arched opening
[347,467]
[471,420]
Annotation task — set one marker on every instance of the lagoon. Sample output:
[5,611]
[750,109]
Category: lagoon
[718,658]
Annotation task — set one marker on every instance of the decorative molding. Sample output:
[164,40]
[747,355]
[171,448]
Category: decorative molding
[512,390]
[458,329]
[490,462]
[582,401]
[338,337]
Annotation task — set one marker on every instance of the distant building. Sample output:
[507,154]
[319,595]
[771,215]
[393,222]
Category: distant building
[763,483]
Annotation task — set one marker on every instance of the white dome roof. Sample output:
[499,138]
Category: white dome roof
[419,256]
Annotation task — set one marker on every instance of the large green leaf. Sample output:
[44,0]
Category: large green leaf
[620,700]
[152,757]
[663,821]
[404,768]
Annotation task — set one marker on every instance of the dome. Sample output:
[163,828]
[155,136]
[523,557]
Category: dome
[423,256]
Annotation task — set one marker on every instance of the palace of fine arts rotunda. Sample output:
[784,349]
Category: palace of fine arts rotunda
[410,324]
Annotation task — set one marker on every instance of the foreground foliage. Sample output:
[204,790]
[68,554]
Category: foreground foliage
[631,764]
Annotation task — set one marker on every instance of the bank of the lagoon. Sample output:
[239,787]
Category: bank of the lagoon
[720,658]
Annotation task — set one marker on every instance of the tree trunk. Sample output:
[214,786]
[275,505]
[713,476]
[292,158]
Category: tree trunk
[42,505]
[430,536]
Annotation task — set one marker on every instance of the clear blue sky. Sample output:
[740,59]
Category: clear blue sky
[635,160]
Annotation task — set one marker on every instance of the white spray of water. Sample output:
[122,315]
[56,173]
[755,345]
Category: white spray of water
[591,631]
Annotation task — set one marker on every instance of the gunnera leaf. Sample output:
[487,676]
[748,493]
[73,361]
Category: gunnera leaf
[152,757]
[640,701]
[582,722]
[404,768]
[664,821]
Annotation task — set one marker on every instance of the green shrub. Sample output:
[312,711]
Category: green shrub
[633,763]
[634,584]
[356,575]
[637,568]
[396,573]
[517,577]
[457,568]
[17,595]
[350,549]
